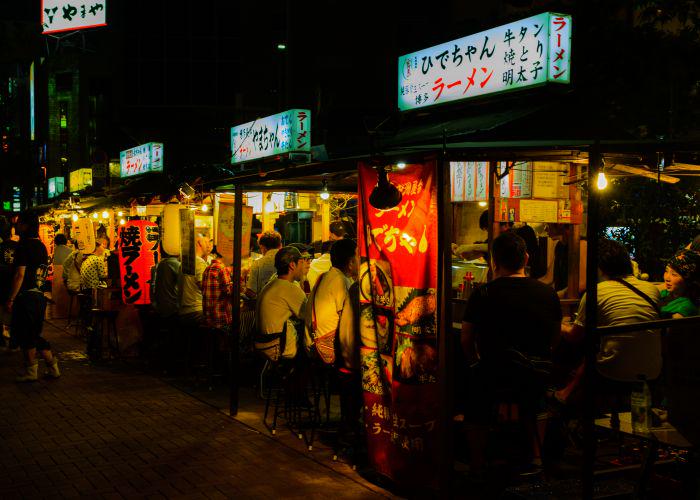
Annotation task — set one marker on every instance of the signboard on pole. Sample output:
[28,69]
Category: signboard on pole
[522,54]
[224,232]
[141,159]
[285,132]
[398,325]
[138,254]
[187,243]
[69,15]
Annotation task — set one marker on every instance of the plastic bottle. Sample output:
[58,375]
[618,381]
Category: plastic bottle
[641,406]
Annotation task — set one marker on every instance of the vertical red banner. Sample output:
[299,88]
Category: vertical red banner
[46,235]
[398,324]
[138,254]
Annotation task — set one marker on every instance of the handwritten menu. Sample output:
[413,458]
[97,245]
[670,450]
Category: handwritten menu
[539,211]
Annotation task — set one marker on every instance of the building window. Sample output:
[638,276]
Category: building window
[63,114]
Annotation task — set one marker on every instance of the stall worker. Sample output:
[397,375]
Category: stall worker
[262,269]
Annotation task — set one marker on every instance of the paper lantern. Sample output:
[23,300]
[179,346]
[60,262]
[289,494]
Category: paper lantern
[138,254]
[85,234]
[46,235]
[170,223]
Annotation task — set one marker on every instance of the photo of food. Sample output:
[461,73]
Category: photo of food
[376,372]
[375,283]
[416,311]
[416,361]
[376,327]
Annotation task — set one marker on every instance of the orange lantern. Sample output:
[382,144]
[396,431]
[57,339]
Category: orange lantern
[138,254]
[46,235]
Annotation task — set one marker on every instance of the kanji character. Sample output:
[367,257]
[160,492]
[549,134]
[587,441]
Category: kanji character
[470,50]
[485,50]
[82,11]
[560,22]
[69,11]
[508,37]
[93,10]
[470,81]
[130,236]
[442,57]
[456,56]
[536,68]
[405,444]
[377,410]
[521,75]
[508,77]
[417,444]
[427,64]
[487,78]
[523,56]
[509,57]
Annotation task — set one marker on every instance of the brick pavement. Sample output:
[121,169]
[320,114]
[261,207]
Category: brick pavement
[109,433]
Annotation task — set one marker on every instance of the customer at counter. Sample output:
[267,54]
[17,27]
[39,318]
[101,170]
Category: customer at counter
[262,269]
[680,294]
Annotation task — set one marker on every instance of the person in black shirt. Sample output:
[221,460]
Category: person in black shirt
[26,301]
[508,323]
[7,271]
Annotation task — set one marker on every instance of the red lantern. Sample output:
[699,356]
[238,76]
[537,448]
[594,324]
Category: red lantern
[138,254]
[46,235]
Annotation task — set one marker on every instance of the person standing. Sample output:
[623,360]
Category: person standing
[26,301]
[217,288]
[190,286]
[61,249]
[7,270]
[165,288]
[262,269]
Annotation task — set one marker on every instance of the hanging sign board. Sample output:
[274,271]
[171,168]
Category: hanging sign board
[285,132]
[69,15]
[80,179]
[138,255]
[470,181]
[85,234]
[56,186]
[141,159]
[224,232]
[187,250]
[522,54]
[398,325]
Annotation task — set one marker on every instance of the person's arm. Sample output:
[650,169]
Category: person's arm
[572,332]
[226,282]
[67,265]
[298,303]
[17,280]
[252,286]
[468,341]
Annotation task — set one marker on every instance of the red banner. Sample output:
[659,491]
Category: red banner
[398,324]
[46,235]
[138,254]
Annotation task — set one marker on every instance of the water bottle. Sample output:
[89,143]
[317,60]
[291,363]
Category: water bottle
[641,406]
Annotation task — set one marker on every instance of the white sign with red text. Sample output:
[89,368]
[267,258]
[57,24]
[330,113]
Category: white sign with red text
[69,15]
[141,159]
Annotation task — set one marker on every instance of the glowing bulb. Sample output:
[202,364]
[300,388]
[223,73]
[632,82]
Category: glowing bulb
[75,217]
[105,214]
[205,208]
[269,206]
[482,203]
[122,222]
[94,216]
[602,181]
[120,213]
[325,195]
[401,165]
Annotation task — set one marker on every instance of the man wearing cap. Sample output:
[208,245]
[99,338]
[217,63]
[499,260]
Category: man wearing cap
[282,302]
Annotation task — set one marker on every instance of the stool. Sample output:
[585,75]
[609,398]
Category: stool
[84,313]
[110,317]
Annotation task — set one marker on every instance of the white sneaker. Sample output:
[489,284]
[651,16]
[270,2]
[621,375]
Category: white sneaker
[52,370]
[31,374]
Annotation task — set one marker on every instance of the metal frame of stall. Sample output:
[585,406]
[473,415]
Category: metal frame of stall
[444,154]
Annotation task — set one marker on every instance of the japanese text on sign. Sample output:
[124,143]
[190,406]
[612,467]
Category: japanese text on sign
[530,52]
[281,133]
[141,159]
[138,253]
[67,15]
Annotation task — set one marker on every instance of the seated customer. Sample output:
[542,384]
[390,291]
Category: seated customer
[509,317]
[262,269]
[282,301]
[681,292]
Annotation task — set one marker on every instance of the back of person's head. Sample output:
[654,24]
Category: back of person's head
[338,229]
[613,258]
[484,220]
[326,246]
[342,253]
[509,251]
[31,225]
[284,257]
[270,240]
[60,239]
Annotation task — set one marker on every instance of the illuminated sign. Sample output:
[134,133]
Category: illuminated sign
[7,205]
[80,179]
[141,159]
[518,55]
[31,101]
[285,132]
[56,186]
[69,15]
[16,199]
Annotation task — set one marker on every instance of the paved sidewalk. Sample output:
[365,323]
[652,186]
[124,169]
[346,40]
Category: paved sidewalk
[113,433]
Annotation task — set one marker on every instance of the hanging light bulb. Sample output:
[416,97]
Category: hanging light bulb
[324,191]
[482,203]
[205,208]
[105,214]
[120,213]
[602,181]
[122,222]
[75,217]
[401,165]
[94,215]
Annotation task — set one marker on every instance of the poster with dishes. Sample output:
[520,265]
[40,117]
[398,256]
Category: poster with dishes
[398,324]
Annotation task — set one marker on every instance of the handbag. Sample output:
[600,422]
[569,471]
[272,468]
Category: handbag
[271,345]
[327,344]
[640,293]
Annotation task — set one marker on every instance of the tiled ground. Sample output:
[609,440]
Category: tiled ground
[114,433]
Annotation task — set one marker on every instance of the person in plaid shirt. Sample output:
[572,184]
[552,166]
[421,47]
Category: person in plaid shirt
[217,288]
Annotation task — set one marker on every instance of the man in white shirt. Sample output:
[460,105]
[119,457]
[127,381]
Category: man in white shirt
[262,269]
[282,301]
[190,286]
[323,263]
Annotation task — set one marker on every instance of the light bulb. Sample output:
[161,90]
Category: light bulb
[325,195]
[120,213]
[105,214]
[122,222]
[482,203]
[94,216]
[269,206]
[602,181]
[401,165]
[75,217]
[205,208]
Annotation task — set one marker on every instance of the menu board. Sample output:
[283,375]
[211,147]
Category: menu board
[539,211]
[187,251]
[224,232]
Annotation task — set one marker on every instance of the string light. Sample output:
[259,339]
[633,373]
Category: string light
[120,213]
[324,191]
[94,215]
[105,214]
[205,208]
[602,181]
[482,203]
[75,217]
[122,222]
